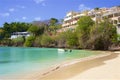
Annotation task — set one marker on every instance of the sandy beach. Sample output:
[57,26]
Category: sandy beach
[106,67]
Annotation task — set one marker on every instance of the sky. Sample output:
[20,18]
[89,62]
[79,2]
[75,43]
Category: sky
[36,10]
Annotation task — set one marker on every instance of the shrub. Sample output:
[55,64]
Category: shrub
[46,40]
[29,41]
[18,41]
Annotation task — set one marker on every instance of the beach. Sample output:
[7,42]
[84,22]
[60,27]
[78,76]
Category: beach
[102,67]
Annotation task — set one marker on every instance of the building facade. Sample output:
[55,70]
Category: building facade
[98,14]
[70,21]
[19,34]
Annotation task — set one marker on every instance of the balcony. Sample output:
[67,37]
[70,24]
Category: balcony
[65,24]
[69,18]
[74,22]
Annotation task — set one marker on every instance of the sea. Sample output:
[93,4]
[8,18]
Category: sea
[21,60]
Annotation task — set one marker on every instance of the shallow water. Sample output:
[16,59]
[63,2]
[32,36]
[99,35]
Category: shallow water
[22,60]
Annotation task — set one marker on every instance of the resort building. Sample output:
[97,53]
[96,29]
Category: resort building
[98,14]
[113,14]
[19,34]
[70,21]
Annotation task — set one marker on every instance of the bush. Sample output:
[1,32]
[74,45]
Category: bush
[6,42]
[36,30]
[102,36]
[37,41]
[29,41]
[72,40]
[18,41]
[61,39]
[46,41]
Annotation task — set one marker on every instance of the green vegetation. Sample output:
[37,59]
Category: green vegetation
[103,36]
[36,30]
[83,31]
[71,39]
[46,40]
[87,35]
[14,27]
[18,41]
[95,36]
[2,33]
[29,41]
[97,8]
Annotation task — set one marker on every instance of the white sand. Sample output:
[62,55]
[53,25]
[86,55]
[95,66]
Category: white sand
[109,71]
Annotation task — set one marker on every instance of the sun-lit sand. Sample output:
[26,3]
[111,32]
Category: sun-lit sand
[106,67]
[109,71]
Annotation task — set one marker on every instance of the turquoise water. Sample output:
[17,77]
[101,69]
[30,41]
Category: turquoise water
[22,60]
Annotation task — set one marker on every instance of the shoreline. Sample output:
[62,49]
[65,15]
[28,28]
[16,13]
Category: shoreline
[70,69]
[50,73]
[75,61]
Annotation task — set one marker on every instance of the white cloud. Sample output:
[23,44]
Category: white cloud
[11,9]
[5,14]
[82,7]
[39,1]
[37,18]
[43,4]
[22,7]
[24,18]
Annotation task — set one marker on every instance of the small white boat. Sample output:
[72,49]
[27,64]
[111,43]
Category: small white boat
[61,50]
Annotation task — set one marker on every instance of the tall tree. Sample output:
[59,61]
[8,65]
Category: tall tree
[103,35]
[53,21]
[2,33]
[35,30]
[83,30]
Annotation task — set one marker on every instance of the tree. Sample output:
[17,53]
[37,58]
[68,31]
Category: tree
[53,21]
[41,24]
[46,40]
[35,30]
[72,40]
[54,28]
[37,41]
[9,28]
[83,30]
[61,39]
[102,36]
[54,25]
[6,42]
[2,33]
[29,41]
[97,8]
[18,41]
